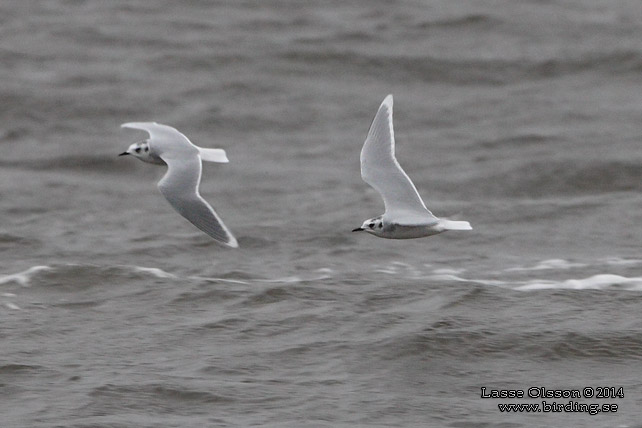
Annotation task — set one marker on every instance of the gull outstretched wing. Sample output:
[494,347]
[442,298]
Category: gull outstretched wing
[380,169]
[180,187]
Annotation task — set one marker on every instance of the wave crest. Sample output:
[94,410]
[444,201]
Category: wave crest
[567,177]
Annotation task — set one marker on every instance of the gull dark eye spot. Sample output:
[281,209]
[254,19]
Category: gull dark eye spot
[137,150]
[380,225]
[371,225]
[146,148]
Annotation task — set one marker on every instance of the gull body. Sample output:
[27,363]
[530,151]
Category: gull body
[167,146]
[406,215]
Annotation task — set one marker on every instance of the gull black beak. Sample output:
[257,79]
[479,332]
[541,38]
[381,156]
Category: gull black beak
[358,229]
[123,154]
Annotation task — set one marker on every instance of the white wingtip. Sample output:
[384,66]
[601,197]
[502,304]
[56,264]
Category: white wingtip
[388,100]
[232,242]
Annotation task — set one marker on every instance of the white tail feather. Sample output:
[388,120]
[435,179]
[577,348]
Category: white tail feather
[455,225]
[213,155]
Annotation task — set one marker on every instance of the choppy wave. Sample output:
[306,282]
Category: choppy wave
[549,345]
[11,369]
[114,318]
[594,282]
[518,277]
[79,271]
[480,21]
[14,240]
[157,397]
[561,264]
[596,345]
[547,265]
[518,140]
[79,276]
[92,285]
[69,163]
[24,278]
[563,177]
[464,71]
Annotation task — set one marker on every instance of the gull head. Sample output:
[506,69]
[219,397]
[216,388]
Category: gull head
[373,225]
[142,151]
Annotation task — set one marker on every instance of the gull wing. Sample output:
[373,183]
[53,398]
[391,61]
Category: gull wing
[380,169]
[180,187]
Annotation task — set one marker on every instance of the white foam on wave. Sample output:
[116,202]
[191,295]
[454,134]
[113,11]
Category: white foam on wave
[10,305]
[550,264]
[323,274]
[217,280]
[397,267]
[616,261]
[448,271]
[450,277]
[158,273]
[24,278]
[561,264]
[285,280]
[595,282]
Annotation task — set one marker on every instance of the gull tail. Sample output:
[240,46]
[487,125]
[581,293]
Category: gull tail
[455,225]
[213,155]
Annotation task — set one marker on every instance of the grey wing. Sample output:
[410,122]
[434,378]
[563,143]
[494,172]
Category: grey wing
[180,187]
[163,138]
[380,169]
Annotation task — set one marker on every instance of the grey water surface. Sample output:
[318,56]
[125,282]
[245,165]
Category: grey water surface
[522,117]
